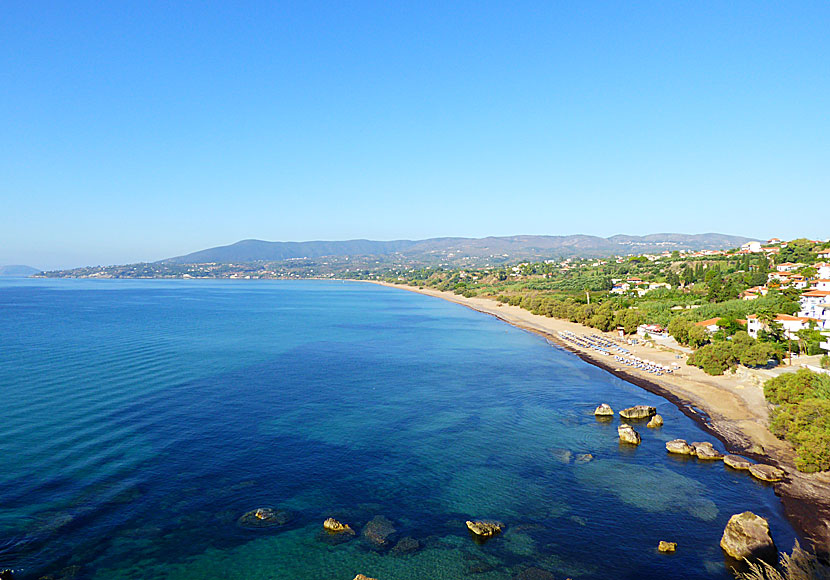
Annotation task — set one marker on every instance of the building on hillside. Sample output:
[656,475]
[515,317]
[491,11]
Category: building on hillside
[751,247]
[824,254]
[795,281]
[788,267]
[710,326]
[754,292]
[822,269]
[772,250]
[774,241]
[821,284]
[790,324]
[816,304]
[620,288]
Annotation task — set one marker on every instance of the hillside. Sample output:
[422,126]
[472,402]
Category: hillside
[17,271]
[497,249]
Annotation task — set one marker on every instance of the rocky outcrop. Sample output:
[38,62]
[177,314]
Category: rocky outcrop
[656,421]
[604,410]
[666,546]
[378,530]
[362,577]
[485,529]
[638,412]
[737,462]
[705,450]
[628,434]
[766,472]
[679,447]
[335,527]
[406,545]
[263,518]
[747,536]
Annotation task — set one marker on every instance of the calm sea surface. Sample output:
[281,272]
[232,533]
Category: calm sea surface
[141,419]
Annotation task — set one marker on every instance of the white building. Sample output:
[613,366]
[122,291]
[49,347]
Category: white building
[752,247]
[816,304]
[790,324]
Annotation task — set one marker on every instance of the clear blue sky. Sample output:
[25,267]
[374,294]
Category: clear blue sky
[137,131]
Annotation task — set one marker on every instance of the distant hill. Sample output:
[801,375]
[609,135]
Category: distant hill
[18,271]
[451,249]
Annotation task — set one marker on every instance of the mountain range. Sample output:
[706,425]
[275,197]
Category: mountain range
[17,270]
[498,249]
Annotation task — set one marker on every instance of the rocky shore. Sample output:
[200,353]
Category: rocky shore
[730,408]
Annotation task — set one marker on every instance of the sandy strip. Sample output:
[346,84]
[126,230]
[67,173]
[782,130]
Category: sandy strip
[732,408]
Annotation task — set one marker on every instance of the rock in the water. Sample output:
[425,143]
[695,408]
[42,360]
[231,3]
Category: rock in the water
[747,536]
[335,527]
[263,518]
[6,575]
[604,410]
[378,530]
[680,447]
[705,450]
[584,458]
[485,529]
[628,434]
[362,577]
[666,546]
[562,455]
[656,421]
[766,472]
[737,462]
[638,412]
[406,545]
[534,574]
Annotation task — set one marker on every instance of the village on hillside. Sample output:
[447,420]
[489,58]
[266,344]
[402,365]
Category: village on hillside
[772,299]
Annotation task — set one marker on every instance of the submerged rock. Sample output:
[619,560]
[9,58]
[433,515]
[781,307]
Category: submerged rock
[604,410]
[263,518]
[747,536]
[335,527]
[666,546]
[628,434]
[656,421]
[705,450]
[378,530]
[485,529]
[534,573]
[737,462]
[766,472]
[406,545]
[638,412]
[679,447]
[584,458]
[562,455]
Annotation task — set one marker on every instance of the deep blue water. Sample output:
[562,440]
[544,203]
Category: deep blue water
[141,419]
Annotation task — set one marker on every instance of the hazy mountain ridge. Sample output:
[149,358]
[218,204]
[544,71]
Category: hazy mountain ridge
[18,270]
[505,247]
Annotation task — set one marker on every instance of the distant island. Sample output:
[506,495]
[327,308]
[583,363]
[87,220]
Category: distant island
[18,271]
[368,258]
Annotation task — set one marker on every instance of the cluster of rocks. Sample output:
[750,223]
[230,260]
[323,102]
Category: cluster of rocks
[707,451]
[379,533]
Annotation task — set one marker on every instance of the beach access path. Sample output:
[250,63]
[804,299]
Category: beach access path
[731,407]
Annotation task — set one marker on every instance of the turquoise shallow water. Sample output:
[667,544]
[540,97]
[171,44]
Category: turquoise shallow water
[141,419]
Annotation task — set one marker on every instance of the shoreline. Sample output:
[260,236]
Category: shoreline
[730,408]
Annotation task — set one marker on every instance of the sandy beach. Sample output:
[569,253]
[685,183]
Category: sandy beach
[731,407]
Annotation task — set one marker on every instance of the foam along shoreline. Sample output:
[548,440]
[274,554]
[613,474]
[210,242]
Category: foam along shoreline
[731,408]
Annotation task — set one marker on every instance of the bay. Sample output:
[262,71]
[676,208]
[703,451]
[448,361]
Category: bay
[141,419]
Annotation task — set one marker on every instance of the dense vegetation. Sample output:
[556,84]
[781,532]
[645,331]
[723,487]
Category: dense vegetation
[802,416]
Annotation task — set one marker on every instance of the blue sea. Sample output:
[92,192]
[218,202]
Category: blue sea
[141,419]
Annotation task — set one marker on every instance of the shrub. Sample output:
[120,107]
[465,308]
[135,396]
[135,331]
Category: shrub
[715,358]
[825,362]
[800,565]
[797,386]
